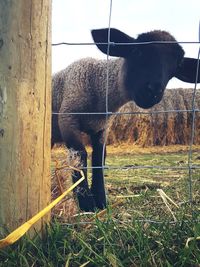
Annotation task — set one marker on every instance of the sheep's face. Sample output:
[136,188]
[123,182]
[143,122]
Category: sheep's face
[147,70]
[148,65]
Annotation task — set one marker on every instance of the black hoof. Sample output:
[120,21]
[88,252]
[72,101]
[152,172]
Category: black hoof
[101,205]
[100,200]
[86,203]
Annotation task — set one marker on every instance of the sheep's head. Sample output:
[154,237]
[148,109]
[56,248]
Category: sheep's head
[150,61]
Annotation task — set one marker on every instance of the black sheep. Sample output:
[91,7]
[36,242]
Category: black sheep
[140,73]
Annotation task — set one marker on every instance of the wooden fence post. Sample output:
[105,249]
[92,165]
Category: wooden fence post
[25,107]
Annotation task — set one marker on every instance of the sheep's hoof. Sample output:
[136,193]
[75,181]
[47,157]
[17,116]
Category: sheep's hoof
[87,203]
[99,198]
[100,204]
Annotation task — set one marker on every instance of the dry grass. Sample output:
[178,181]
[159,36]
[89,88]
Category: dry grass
[61,181]
[129,148]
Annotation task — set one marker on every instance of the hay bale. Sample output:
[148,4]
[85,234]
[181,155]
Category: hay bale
[61,180]
[160,128]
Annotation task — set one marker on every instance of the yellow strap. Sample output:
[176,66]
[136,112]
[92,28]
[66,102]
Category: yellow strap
[21,230]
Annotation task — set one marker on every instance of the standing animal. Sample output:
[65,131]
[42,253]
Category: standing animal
[140,73]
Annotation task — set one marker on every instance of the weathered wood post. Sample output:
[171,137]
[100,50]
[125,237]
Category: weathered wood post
[25,103]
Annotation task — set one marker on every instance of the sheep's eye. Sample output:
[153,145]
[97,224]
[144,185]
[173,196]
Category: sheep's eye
[180,64]
[139,53]
[136,51]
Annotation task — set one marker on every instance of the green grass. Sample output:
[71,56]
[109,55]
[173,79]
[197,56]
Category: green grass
[139,185]
[108,243]
[141,232]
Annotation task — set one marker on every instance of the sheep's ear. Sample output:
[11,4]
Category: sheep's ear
[116,36]
[187,70]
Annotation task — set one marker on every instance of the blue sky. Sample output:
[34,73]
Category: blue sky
[72,21]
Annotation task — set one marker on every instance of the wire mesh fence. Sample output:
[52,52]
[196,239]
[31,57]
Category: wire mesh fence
[181,172]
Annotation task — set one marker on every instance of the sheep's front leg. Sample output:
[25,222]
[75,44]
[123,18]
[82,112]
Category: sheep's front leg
[98,159]
[82,191]
[72,138]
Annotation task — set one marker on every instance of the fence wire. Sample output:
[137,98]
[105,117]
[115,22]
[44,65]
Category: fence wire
[193,128]
[107,86]
[194,110]
[135,43]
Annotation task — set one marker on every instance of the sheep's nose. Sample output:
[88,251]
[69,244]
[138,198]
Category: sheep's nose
[154,88]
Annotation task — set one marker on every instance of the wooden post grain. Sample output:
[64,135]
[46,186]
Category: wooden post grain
[25,106]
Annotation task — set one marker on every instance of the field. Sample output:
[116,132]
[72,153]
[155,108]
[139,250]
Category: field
[135,175]
[154,214]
